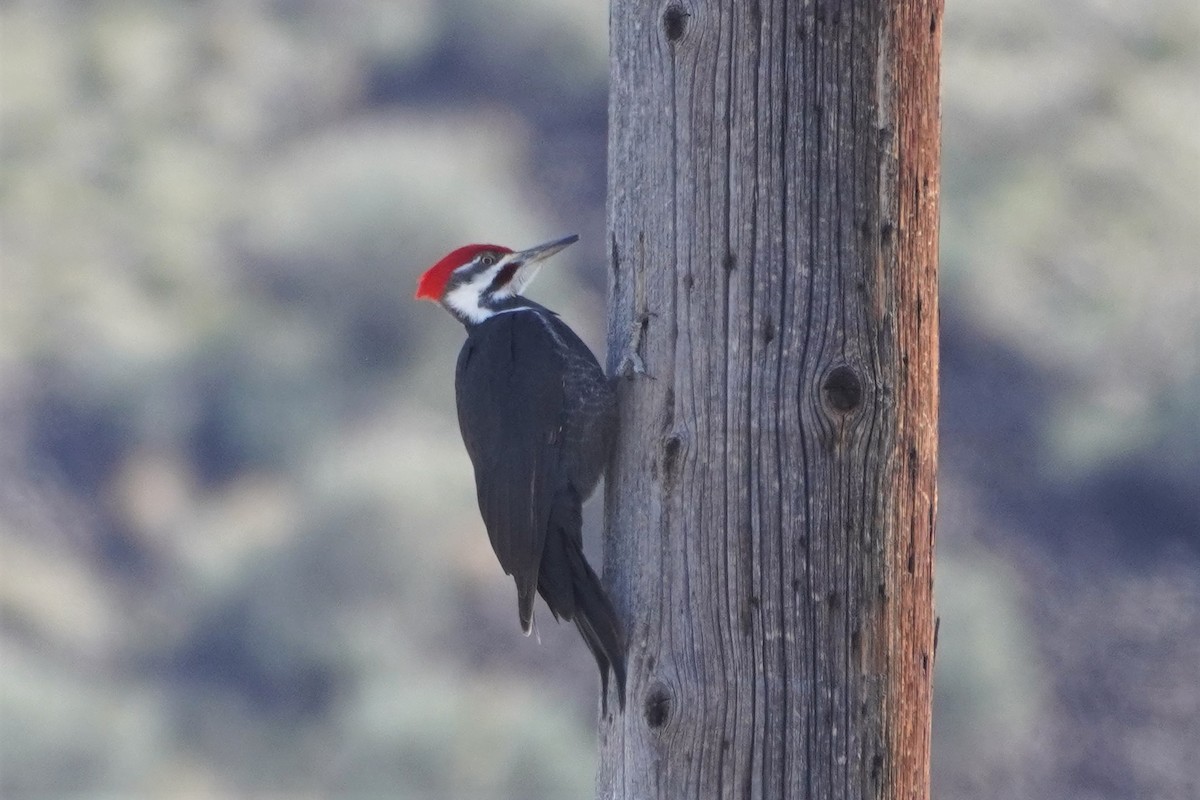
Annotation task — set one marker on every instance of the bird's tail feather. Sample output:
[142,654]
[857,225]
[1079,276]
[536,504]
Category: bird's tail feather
[601,630]
[573,591]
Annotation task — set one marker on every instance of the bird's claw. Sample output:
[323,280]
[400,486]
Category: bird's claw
[631,363]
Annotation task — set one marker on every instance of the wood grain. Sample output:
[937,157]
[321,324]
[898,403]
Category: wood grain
[773,208]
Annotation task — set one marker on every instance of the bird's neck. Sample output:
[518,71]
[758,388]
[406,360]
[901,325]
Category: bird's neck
[480,309]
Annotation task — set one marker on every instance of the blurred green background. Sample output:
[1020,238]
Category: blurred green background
[239,554]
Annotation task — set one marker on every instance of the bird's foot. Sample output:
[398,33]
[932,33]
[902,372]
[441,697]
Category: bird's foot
[631,362]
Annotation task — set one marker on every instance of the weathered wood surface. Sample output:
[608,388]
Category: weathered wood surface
[773,208]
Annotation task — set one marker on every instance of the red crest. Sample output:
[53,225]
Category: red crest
[432,284]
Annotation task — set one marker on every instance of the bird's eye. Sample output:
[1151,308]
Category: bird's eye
[488,259]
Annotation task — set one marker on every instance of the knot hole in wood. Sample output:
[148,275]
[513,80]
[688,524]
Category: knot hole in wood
[658,705]
[674,21]
[842,389]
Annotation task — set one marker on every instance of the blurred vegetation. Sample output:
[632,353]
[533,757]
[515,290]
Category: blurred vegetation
[238,549]
[1071,401]
[240,554]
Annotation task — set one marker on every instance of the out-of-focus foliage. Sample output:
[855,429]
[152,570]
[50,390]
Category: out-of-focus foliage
[239,543]
[1069,535]
[239,554]
[1072,162]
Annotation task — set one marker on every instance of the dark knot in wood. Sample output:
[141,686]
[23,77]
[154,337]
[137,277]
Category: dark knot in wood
[674,21]
[843,390]
[658,706]
[671,445]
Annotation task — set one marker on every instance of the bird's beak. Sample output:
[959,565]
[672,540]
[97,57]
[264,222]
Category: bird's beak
[528,261]
[544,251]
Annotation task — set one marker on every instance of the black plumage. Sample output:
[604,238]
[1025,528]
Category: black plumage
[538,417]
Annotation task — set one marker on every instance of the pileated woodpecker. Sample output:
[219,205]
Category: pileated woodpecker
[538,417]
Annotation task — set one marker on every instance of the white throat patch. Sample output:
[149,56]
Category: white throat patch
[463,300]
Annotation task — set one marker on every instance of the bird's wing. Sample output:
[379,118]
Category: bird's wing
[511,407]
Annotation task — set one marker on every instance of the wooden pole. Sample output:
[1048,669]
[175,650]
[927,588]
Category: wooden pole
[773,210]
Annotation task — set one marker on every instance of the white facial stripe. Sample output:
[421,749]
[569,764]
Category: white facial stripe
[464,298]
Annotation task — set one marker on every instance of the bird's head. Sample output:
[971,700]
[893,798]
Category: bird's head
[477,281]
